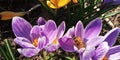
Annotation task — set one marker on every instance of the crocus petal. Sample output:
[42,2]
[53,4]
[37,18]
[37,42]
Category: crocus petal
[42,42]
[29,52]
[66,44]
[96,40]
[35,32]
[93,29]
[116,2]
[81,51]
[61,30]
[79,30]
[111,36]
[70,33]
[50,30]
[88,53]
[113,50]
[115,56]
[23,42]
[21,27]
[41,21]
[52,47]
[107,1]
[101,51]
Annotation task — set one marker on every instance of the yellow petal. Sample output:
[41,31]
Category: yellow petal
[57,3]
[62,3]
[50,4]
[75,1]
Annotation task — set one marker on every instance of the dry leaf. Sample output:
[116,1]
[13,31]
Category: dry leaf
[6,15]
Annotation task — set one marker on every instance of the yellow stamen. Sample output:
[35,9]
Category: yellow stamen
[78,42]
[105,58]
[35,42]
[55,41]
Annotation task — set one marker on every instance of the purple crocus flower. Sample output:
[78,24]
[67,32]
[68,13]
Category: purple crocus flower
[31,39]
[105,50]
[53,39]
[78,38]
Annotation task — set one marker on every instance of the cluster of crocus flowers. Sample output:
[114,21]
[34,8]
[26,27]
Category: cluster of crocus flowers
[57,3]
[77,39]
[34,39]
[105,50]
[85,41]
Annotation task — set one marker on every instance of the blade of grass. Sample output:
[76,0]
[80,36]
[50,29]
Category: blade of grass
[9,48]
[2,52]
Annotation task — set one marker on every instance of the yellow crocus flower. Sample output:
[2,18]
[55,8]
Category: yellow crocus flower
[57,3]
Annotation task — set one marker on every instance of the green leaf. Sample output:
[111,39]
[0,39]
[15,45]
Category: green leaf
[9,49]
[110,14]
[68,58]
[2,52]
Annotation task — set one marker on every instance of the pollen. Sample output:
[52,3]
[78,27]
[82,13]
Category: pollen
[78,42]
[55,41]
[105,58]
[35,42]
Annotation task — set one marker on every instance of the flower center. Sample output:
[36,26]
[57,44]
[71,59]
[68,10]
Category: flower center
[78,42]
[105,58]
[35,42]
[55,41]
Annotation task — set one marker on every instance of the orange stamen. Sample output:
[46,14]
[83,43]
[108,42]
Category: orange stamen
[55,41]
[78,42]
[35,42]
[105,58]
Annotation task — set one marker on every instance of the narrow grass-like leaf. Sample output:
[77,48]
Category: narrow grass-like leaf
[2,52]
[110,14]
[9,48]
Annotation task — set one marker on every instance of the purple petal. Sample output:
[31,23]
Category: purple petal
[66,44]
[41,21]
[101,51]
[42,42]
[79,30]
[116,2]
[50,30]
[35,32]
[29,52]
[113,50]
[93,29]
[111,36]
[88,53]
[70,33]
[107,1]
[52,47]
[21,27]
[95,41]
[115,56]
[23,42]
[61,30]
[81,51]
